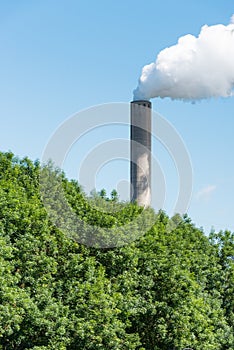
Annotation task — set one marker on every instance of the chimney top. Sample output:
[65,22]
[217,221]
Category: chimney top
[144,103]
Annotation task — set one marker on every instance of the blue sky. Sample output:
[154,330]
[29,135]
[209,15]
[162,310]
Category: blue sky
[59,57]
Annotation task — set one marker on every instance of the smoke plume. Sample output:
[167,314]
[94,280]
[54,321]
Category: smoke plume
[195,68]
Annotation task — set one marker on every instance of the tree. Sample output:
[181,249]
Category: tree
[114,195]
[171,288]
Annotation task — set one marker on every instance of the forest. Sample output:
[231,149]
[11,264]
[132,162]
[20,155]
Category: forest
[166,289]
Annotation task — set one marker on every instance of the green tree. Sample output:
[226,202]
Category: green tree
[171,288]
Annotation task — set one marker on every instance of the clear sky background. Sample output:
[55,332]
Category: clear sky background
[59,57]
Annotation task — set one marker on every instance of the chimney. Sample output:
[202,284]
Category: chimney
[141,152]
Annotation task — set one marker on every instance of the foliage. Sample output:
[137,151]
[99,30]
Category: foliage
[170,289]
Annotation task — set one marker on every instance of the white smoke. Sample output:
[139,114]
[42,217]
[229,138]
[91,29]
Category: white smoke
[195,68]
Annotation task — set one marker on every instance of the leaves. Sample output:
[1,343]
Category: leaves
[171,288]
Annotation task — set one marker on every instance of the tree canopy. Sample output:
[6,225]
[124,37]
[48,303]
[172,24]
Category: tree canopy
[170,289]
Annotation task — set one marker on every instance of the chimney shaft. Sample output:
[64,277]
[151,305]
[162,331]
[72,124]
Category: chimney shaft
[141,152]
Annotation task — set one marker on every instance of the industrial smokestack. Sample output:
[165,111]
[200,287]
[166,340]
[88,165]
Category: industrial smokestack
[141,152]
